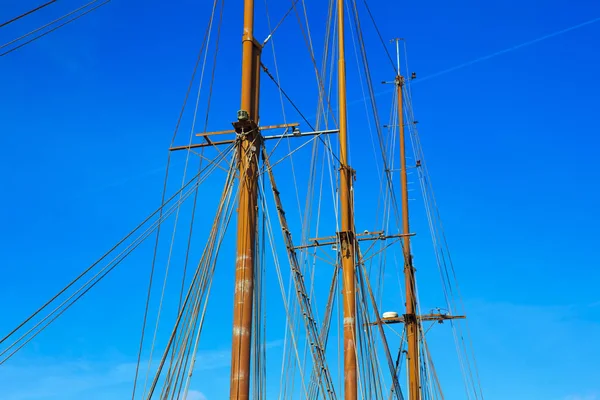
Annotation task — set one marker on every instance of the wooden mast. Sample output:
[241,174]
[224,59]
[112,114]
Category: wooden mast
[347,233]
[248,149]
[410,318]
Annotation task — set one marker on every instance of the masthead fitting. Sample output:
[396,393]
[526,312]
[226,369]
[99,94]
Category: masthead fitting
[242,115]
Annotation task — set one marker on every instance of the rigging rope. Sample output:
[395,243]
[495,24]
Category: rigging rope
[270,35]
[468,362]
[196,180]
[295,107]
[228,213]
[285,302]
[197,291]
[10,21]
[205,45]
[165,181]
[52,23]
[92,282]
[375,112]
[303,299]
[387,52]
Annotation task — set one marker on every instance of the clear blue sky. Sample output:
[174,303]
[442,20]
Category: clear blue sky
[511,140]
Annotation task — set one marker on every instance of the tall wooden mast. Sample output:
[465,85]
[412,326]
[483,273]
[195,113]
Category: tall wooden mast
[248,149]
[410,318]
[347,233]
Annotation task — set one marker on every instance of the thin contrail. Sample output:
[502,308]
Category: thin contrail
[524,44]
[495,54]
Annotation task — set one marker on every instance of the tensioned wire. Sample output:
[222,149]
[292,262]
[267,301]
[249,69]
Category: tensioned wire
[309,321]
[305,300]
[79,293]
[325,111]
[295,306]
[354,33]
[365,385]
[418,302]
[387,169]
[285,298]
[208,261]
[204,45]
[436,226]
[200,280]
[279,87]
[428,368]
[418,310]
[464,363]
[68,21]
[393,135]
[183,349]
[367,75]
[425,185]
[313,57]
[185,338]
[365,280]
[18,17]
[188,153]
[191,367]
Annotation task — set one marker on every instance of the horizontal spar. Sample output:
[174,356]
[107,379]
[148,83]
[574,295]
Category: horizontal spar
[262,128]
[287,135]
[426,317]
[333,239]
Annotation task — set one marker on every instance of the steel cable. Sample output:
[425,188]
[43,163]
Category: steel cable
[54,28]
[10,21]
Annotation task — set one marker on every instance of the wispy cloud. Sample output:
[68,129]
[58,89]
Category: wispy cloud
[66,380]
[513,48]
[43,380]
[213,359]
[489,56]
[592,396]
[53,379]
[216,359]
[194,395]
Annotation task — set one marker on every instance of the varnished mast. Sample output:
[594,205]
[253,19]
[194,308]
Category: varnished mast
[410,318]
[347,232]
[248,150]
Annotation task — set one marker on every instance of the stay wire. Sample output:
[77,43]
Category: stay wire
[10,21]
[86,271]
[436,227]
[365,279]
[229,214]
[304,301]
[289,322]
[94,280]
[53,29]
[195,202]
[175,225]
[375,112]
[387,52]
[306,34]
[265,69]
[190,320]
[279,23]
[178,321]
[182,347]
[164,191]
[228,206]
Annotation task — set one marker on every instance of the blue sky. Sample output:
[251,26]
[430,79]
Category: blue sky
[511,143]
